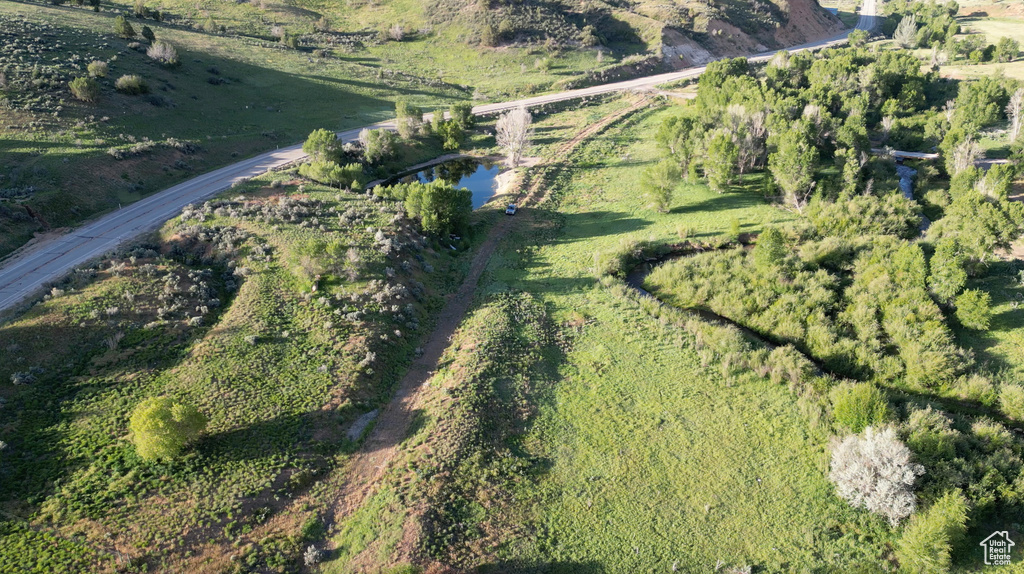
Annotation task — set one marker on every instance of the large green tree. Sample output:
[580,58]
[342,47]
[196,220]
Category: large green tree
[720,160]
[322,145]
[162,426]
[792,165]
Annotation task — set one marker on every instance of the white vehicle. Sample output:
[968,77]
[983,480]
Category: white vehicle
[511,209]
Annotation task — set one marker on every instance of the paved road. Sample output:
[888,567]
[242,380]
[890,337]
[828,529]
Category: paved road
[47,261]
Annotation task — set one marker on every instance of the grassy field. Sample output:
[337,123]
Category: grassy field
[608,441]
[650,466]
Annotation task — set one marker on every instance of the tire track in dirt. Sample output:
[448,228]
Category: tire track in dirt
[369,465]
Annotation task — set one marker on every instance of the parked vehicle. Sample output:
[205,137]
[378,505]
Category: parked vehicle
[511,209]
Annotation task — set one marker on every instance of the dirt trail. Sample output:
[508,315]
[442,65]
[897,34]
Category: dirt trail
[368,465]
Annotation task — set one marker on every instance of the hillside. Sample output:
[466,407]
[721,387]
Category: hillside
[256,75]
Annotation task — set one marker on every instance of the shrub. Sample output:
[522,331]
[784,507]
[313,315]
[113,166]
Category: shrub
[947,276]
[161,427]
[85,89]
[657,183]
[164,53]
[927,543]
[875,471]
[330,173]
[98,69]
[857,406]
[123,28]
[131,84]
[973,309]
[1011,401]
[148,34]
[770,249]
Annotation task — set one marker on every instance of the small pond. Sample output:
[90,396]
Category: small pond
[474,175]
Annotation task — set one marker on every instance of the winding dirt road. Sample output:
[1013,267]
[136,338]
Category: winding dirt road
[30,269]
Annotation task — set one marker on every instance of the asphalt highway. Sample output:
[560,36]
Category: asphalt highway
[25,273]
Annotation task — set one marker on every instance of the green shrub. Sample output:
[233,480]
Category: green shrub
[771,248]
[123,28]
[618,260]
[947,275]
[926,545]
[1011,401]
[974,310]
[161,427]
[132,85]
[330,173]
[148,34]
[657,183]
[857,406]
[98,69]
[85,89]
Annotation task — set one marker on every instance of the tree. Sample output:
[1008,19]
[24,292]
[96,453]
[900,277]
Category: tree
[148,34]
[513,133]
[1007,49]
[964,155]
[407,118]
[1015,111]
[857,406]
[948,275]
[858,38]
[657,183]
[875,471]
[161,427]
[440,207]
[378,145]
[792,166]
[322,145]
[927,543]
[462,114]
[450,133]
[906,32]
[678,137]
[123,28]
[720,159]
[85,89]
[974,309]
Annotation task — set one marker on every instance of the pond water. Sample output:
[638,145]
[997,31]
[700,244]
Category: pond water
[476,176]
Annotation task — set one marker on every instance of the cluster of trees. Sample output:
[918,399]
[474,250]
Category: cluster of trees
[801,112]
[933,25]
[451,131]
[325,153]
[440,207]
